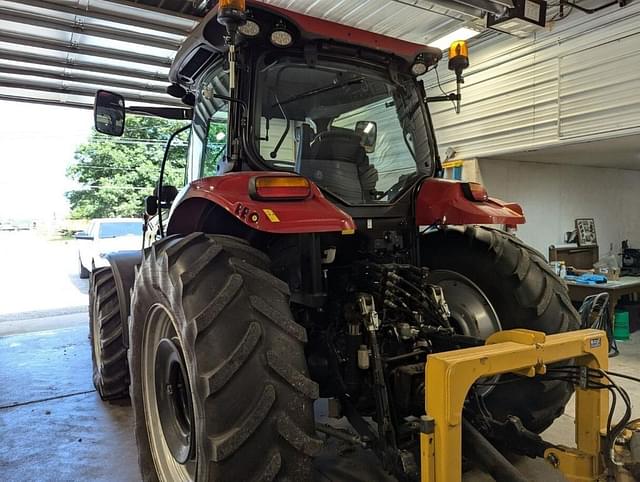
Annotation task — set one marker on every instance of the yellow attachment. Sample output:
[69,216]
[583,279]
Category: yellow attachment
[458,48]
[232,4]
[576,466]
[451,374]
[524,337]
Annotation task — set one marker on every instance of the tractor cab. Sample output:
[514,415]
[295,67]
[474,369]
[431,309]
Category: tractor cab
[274,91]
[342,107]
[335,123]
[339,106]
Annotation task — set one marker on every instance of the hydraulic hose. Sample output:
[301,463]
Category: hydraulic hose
[479,448]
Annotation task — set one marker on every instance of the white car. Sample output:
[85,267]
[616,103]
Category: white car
[105,236]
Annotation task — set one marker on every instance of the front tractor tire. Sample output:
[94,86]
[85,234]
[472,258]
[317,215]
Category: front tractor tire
[524,292]
[219,383]
[83,272]
[106,329]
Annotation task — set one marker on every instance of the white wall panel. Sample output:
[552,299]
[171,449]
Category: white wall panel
[553,196]
[579,80]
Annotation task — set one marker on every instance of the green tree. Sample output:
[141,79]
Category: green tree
[116,173]
[215,147]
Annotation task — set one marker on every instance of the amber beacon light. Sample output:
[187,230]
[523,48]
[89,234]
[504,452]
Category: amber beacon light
[231,13]
[458,56]
[239,5]
[458,61]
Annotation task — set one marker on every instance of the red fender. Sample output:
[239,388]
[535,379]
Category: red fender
[231,192]
[442,201]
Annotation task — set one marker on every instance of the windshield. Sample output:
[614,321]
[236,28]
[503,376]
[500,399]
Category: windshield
[352,131]
[114,230]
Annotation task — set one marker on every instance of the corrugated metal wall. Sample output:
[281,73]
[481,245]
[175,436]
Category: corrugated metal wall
[579,81]
[600,88]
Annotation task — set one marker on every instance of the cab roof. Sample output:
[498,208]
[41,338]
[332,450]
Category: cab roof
[206,41]
[313,28]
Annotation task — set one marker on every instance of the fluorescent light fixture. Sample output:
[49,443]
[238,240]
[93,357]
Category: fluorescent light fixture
[463,33]
[368,128]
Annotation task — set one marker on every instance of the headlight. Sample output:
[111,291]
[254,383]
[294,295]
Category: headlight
[280,36]
[249,29]
[418,68]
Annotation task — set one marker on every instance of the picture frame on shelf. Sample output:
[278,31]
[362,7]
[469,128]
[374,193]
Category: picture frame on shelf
[586,232]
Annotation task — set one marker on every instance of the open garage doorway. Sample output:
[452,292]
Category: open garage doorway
[68,196]
[38,255]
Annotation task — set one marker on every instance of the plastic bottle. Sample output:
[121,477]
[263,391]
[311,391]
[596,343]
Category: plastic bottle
[563,270]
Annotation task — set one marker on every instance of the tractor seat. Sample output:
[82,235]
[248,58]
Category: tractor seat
[335,161]
[339,145]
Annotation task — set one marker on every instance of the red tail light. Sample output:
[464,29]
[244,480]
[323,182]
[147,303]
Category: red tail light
[474,191]
[284,188]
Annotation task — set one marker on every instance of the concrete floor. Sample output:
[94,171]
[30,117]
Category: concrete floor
[53,426]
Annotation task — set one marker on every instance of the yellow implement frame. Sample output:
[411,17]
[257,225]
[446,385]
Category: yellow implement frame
[524,352]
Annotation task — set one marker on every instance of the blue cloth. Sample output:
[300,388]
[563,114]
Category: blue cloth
[588,279]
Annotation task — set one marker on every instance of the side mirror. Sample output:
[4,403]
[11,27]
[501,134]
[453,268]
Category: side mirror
[108,113]
[151,205]
[166,197]
[82,235]
[368,131]
[155,202]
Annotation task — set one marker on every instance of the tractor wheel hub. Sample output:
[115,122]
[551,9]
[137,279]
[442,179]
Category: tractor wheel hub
[173,398]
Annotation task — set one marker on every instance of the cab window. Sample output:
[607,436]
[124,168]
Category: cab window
[209,129]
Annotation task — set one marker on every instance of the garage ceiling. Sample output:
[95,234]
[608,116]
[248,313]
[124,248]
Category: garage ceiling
[62,51]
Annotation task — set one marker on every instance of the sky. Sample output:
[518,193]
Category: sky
[37,143]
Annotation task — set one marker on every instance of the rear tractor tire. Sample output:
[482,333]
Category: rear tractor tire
[108,352]
[524,292]
[220,388]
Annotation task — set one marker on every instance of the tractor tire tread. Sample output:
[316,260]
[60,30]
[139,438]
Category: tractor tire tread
[270,470]
[525,292]
[279,319]
[292,376]
[210,312]
[110,372]
[200,264]
[218,378]
[110,317]
[293,434]
[218,286]
[225,445]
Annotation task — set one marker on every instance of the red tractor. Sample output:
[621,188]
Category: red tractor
[319,254]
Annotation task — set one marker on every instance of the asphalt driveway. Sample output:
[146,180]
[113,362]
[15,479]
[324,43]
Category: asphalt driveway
[38,277]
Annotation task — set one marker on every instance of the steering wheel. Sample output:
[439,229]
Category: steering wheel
[334,134]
